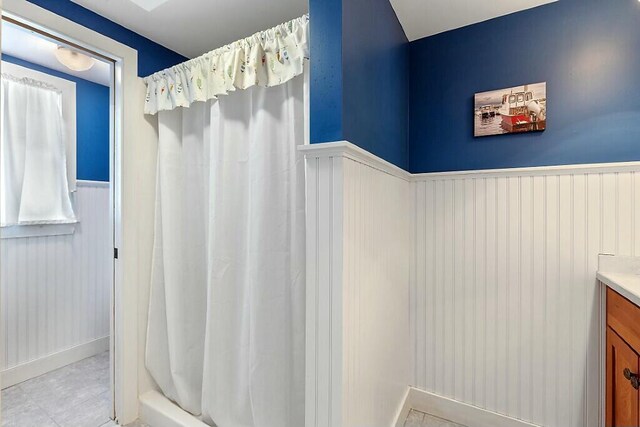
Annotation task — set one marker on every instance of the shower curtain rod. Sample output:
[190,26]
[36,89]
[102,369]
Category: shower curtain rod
[58,39]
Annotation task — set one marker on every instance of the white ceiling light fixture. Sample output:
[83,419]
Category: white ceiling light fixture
[149,5]
[74,60]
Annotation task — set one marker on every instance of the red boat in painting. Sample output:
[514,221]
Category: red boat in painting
[521,113]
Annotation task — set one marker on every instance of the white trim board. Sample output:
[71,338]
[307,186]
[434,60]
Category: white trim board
[97,184]
[352,151]
[355,153]
[35,368]
[452,410]
[531,171]
[42,230]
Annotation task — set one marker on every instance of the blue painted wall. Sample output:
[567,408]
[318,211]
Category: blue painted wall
[325,104]
[588,52]
[376,77]
[359,76]
[92,123]
[152,57]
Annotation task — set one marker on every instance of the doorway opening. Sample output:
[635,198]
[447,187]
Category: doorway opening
[57,239]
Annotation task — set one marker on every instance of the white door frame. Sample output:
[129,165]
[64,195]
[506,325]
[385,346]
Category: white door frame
[124,321]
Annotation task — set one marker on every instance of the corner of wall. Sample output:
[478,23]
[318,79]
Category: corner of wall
[358,264]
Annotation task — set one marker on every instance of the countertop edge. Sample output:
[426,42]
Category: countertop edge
[609,280]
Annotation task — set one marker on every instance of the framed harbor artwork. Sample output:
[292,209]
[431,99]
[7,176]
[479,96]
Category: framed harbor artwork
[512,110]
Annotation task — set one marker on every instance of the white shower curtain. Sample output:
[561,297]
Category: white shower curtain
[226,321]
[34,187]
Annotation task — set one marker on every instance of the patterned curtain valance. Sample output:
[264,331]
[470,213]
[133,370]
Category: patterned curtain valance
[268,58]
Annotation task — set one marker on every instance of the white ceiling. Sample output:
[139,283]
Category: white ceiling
[33,48]
[193,27]
[149,4]
[422,18]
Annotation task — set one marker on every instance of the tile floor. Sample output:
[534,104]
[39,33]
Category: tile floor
[78,396]
[74,396]
[420,419]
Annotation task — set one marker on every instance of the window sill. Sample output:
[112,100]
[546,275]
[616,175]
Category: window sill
[45,230]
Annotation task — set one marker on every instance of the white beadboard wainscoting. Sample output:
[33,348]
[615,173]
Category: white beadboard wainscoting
[56,292]
[505,303]
[358,264]
[496,271]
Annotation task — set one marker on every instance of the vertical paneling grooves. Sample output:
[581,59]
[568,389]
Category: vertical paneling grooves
[56,290]
[506,305]
[377,254]
[358,266]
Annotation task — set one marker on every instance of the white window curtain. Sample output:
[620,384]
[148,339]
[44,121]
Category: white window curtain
[33,182]
[226,318]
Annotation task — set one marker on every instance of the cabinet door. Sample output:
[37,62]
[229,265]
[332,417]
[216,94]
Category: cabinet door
[622,397]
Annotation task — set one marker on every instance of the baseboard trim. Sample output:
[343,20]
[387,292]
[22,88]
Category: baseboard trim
[158,411]
[35,368]
[453,410]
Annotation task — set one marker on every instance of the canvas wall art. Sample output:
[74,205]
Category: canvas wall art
[512,110]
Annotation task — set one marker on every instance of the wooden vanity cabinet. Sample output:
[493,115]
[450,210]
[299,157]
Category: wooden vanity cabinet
[623,362]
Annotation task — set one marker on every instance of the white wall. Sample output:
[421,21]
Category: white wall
[358,264]
[376,294]
[505,305]
[56,289]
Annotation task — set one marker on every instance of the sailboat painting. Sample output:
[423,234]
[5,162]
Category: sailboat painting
[513,110]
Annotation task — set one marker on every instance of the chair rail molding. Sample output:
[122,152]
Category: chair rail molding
[347,150]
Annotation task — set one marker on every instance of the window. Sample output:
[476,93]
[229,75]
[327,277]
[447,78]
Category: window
[37,153]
